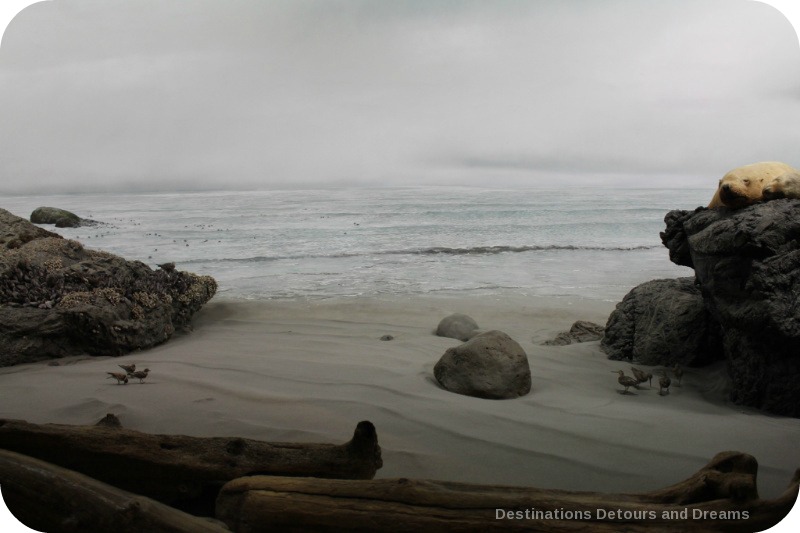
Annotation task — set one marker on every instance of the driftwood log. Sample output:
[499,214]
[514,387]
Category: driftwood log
[722,496]
[49,498]
[182,471]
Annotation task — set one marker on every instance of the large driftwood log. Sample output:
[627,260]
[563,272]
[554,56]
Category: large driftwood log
[725,487]
[53,499]
[182,471]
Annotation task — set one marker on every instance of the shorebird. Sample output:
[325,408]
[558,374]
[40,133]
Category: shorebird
[663,383]
[129,369]
[119,376]
[641,376]
[678,371]
[140,375]
[625,381]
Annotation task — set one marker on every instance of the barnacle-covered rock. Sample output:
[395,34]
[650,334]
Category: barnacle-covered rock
[57,298]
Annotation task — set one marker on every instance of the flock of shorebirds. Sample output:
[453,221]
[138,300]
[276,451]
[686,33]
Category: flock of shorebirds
[130,372]
[640,376]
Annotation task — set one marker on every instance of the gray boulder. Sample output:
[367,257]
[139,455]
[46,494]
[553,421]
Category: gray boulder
[457,326]
[490,365]
[53,215]
[60,217]
[747,266]
[58,298]
[662,322]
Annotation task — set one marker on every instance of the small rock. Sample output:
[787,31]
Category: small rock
[581,331]
[110,420]
[457,326]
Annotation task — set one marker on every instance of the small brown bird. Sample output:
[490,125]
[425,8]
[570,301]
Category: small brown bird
[678,371]
[642,376]
[130,369]
[141,374]
[663,383]
[625,381]
[119,376]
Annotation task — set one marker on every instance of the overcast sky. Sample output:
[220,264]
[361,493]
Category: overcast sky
[172,94]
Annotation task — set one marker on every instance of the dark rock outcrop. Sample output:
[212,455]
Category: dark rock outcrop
[747,266]
[58,298]
[581,331]
[53,215]
[16,231]
[457,326]
[662,322]
[490,365]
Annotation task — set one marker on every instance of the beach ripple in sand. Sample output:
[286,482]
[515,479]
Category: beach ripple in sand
[307,371]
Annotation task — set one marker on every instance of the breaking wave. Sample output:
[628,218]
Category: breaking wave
[435,250]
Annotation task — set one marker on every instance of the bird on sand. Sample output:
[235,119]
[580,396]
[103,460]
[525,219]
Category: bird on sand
[119,376]
[141,374]
[663,383]
[642,376]
[678,371]
[625,381]
[129,369]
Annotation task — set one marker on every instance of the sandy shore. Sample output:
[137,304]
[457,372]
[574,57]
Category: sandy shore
[309,371]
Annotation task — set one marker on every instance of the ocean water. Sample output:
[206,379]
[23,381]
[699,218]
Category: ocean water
[596,243]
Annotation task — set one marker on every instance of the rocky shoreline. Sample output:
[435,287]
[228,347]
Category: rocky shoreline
[740,307]
[58,298]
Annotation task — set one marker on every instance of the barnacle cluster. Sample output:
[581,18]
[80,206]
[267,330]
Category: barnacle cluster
[146,299]
[23,284]
[52,266]
[93,297]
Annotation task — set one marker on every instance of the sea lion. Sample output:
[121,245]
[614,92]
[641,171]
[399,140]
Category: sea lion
[787,185]
[743,186]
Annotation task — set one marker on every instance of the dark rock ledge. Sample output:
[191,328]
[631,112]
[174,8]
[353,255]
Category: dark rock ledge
[58,298]
[743,304]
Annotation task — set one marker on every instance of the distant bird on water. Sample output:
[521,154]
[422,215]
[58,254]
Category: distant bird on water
[625,381]
[119,376]
[141,375]
[641,376]
[129,369]
[663,383]
[678,371]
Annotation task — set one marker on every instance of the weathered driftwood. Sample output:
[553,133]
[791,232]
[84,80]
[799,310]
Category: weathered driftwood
[53,499]
[182,471]
[726,486]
